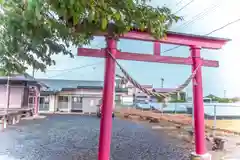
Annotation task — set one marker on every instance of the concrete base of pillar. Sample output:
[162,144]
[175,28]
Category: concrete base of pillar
[206,156]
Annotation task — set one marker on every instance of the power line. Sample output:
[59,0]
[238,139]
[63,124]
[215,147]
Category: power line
[184,6]
[215,30]
[179,2]
[200,15]
[228,24]
[68,69]
[196,17]
[203,13]
[170,49]
[75,68]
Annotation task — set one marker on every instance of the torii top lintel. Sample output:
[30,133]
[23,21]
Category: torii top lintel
[177,39]
[172,38]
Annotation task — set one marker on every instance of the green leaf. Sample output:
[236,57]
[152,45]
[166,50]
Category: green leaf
[142,27]
[75,19]
[32,35]
[104,23]
[128,28]
[117,15]
[31,4]
[72,2]
[91,17]
[37,11]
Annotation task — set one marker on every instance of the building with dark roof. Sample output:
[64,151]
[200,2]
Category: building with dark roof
[74,95]
[139,96]
[53,94]
[68,95]
[180,96]
[22,93]
[59,84]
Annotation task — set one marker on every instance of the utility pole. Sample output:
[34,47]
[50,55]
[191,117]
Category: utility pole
[162,81]
[224,93]
[33,72]
[7,92]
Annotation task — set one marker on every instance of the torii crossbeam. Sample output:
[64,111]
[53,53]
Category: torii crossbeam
[193,41]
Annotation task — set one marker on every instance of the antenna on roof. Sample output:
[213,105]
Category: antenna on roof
[162,81]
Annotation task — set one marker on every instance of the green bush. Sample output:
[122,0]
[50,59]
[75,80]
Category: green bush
[177,101]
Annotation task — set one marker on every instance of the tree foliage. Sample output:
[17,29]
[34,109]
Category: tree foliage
[34,30]
[223,100]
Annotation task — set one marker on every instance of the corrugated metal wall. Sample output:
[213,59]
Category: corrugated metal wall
[16,96]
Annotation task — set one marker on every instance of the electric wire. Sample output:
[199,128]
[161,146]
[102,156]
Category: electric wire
[200,15]
[184,6]
[179,2]
[213,31]
[75,68]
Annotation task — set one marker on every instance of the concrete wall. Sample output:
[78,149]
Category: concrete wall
[90,104]
[16,96]
[52,102]
[90,98]
[141,97]
[63,106]
[131,91]
[127,100]
[69,103]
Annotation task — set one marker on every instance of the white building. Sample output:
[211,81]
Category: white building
[75,95]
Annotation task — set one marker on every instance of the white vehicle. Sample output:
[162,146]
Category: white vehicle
[99,109]
[142,104]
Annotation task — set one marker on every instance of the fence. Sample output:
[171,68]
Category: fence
[217,115]
[225,116]
[119,105]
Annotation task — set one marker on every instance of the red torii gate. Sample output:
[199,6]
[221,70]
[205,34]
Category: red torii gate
[193,41]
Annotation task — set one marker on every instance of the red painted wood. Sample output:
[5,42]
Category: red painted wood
[199,125]
[156,48]
[108,99]
[144,57]
[171,38]
[177,39]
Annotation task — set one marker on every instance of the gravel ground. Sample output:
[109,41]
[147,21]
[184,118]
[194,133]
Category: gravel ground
[75,137]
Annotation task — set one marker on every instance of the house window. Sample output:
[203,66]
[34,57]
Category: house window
[77,99]
[31,100]
[63,99]
[41,100]
[46,99]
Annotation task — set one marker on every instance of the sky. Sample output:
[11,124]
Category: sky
[200,17]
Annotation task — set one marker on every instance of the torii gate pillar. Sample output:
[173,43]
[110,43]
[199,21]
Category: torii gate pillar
[193,41]
[108,92]
[199,124]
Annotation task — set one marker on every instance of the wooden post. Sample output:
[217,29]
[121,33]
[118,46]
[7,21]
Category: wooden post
[198,108]
[156,48]
[106,117]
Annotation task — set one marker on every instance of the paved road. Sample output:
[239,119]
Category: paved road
[74,137]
